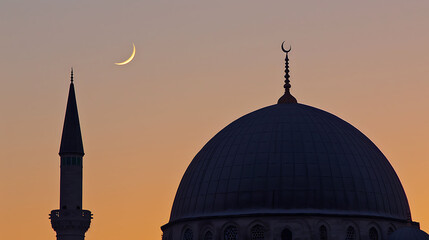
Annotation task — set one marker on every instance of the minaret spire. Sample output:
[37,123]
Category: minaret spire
[71,221]
[287,97]
[71,75]
[71,140]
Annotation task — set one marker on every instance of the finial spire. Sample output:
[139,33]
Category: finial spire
[287,97]
[71,140]
[71,75]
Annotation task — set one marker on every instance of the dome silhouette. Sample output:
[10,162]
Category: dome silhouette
[290,159]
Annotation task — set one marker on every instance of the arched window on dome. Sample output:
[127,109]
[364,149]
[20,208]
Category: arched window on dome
[257,232]
[231,233]
[286,234]
[188,235]
[208,236]
[351,233]
[323,233]
[373,234]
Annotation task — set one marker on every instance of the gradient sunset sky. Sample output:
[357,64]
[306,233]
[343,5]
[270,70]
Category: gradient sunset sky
[199,65]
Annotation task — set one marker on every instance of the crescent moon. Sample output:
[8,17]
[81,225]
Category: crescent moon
[130,58]
[286,51]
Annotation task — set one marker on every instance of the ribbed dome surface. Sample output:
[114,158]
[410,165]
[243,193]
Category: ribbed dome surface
[290,159]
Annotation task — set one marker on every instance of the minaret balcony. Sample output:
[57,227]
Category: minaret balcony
[70,219]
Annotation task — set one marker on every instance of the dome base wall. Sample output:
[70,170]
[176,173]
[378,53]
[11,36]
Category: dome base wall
[304,227]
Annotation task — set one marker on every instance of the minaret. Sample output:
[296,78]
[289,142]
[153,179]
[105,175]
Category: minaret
[71,221]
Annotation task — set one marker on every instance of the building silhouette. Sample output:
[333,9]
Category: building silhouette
[70,221]
[286,172]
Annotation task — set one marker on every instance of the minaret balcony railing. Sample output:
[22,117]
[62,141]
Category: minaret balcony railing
[62,213]
[70,219]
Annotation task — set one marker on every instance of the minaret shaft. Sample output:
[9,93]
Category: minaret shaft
[70,221]
[71,182]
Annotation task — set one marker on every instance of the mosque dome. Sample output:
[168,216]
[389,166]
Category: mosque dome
[289,159]
[409,233]
[288,171]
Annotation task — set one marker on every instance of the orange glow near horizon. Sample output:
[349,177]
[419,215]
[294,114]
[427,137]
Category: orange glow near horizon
[200,66]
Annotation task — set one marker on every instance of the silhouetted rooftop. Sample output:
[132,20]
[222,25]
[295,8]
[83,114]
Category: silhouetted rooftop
[409,233]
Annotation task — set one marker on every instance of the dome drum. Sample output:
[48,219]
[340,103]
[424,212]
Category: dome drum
[300,226]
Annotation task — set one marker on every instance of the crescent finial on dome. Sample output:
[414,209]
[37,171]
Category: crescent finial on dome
[287,97]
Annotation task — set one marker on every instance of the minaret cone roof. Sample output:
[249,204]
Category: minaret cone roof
[71,140]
